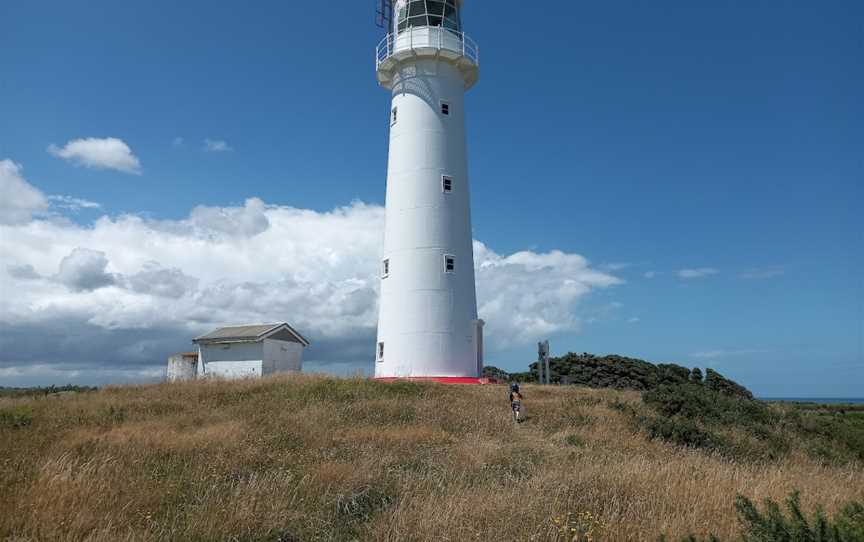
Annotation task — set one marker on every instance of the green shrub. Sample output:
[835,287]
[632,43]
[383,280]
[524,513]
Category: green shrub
[680,431]
[575,440]
[16,417]
[703,403]
[717,382]
[765,431]
[773,525]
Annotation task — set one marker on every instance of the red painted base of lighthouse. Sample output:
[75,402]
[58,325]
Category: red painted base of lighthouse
[442,380]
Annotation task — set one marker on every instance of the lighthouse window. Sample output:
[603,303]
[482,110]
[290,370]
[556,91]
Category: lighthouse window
[393,116]
[447,184]
[428,13]
[449,264]
[385,268]
[381,351]
[445,108]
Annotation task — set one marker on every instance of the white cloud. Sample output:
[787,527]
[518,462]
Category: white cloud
[697,273]
[634,320]
[126,291]
[762,274]
[177,141]
[650,274]
[156,280]
[527,295]
[245,221]
[216,145]
[19,200]
[99,153]
[84,269]
[70,203]
[720,353]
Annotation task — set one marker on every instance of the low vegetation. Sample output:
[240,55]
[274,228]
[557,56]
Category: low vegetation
[308,458]
[43,391]
[623,373]
[775,525]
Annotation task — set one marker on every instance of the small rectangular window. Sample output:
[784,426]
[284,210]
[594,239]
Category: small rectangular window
[449,263]
[445,108]
[393,115]
[381,351]
[385,268]
[446,184]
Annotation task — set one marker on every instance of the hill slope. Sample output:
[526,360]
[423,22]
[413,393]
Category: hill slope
[309,458]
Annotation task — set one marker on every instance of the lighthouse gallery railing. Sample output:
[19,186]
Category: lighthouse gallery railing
[426,37]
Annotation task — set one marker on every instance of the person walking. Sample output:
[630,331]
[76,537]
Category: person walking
[515,401]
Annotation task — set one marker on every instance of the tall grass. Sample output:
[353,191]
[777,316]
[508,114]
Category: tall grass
[302,458]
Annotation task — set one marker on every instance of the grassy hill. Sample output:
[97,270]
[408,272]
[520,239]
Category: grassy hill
[310,458]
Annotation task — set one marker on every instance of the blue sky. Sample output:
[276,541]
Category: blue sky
[707,156]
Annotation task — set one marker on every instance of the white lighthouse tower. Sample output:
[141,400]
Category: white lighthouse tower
[428,325]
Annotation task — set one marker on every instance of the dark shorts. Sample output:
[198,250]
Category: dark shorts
[515,405]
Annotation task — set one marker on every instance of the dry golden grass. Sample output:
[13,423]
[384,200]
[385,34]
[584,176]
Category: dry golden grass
[309,458]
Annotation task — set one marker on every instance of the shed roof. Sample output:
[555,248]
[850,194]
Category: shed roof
[247,333]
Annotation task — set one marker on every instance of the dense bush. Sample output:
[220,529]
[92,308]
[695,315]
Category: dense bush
[773,525]
[704,416]
[621,372]
[680,431]
[691,414]
[716,382]
[490,371]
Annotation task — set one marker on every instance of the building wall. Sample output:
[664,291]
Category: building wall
[233,360]
[181,368]
[282,356]
[232,370]
[251,360]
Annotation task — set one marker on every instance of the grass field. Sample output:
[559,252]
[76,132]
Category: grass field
[307,458]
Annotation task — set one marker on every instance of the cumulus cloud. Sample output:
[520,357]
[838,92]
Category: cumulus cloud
[244,221]
[126,291]
[528,295]
[19,200]
[99,153]
[697,273]
[84,269]
[216,145]
[23,272]
[156,280]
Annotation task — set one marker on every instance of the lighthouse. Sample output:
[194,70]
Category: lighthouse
[427,326]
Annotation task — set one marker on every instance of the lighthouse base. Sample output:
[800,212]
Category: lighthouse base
[441,379]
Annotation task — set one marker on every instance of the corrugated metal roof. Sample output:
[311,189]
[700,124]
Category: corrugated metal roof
[240,333]
[254,332]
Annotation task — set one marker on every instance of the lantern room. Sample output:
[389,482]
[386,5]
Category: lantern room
[413,13]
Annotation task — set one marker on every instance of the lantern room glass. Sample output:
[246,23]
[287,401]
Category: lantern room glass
[444,13]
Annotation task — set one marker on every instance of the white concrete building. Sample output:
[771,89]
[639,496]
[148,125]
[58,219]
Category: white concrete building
[250,351]
[183,367]
[428,325]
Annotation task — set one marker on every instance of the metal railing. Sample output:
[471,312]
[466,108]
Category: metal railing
[425,37]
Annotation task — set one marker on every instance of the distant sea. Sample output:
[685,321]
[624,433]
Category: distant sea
[820,400]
